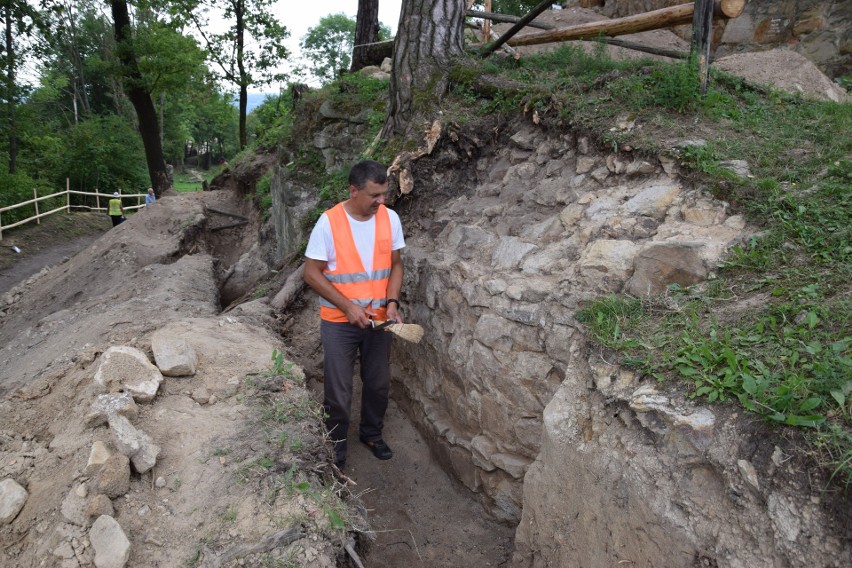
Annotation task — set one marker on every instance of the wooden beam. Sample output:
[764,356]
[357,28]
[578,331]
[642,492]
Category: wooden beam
[505,19]
[662,18]
[541,7]
[375,53]
[673,53]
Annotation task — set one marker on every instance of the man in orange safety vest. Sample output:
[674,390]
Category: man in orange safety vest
[353,263]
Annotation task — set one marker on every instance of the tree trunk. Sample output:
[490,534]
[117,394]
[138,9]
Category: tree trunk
[366,31]
[10,91]
[78,89]
[429,40]
[141,99]
[239,13]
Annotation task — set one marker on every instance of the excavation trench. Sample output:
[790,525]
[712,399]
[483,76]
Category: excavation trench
[419,514]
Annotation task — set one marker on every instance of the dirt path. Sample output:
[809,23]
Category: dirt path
[30,264]
[55,239]
[421,517]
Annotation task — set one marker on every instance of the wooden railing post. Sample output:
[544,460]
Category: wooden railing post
[35,204]
[702,35]
[486,26]
[68,194]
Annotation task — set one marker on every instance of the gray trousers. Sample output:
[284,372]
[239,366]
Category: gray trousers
[341,343]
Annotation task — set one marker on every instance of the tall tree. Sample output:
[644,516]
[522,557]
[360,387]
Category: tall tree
[140,97]
[366,31]
[251,23]
[328,45]
[430,39]
[18,20]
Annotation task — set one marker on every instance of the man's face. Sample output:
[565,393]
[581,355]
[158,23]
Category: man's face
[366,201]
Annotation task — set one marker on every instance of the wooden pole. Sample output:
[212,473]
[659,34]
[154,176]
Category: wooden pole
[97,198]
[541,7]
[486,27]
[672,53]
[504,19]
[35,204]
[68,194]
[662,18]
[702,33]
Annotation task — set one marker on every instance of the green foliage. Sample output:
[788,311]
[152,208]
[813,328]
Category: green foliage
[511,7]
[18,188]
[263,196]
[328,45]
[607,318]
[106,153]
[79,83]
[327,499]
[281,367]
[271,122]
[252,45]
[285,411]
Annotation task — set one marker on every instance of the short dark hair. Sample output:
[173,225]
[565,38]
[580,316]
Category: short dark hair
[367,170]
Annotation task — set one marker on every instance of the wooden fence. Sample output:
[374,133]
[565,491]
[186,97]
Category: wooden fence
[67,207]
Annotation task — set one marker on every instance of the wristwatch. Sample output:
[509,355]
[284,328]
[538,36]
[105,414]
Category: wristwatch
[393,301]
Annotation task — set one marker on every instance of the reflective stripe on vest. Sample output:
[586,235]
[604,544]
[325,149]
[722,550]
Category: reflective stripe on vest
[366,289]
[115,206]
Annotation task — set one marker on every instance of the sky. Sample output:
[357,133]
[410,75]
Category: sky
[308,15]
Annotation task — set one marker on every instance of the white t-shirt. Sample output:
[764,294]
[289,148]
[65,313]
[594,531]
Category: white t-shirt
[321,242]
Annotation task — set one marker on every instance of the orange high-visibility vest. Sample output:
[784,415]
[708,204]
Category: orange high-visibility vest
[367,289]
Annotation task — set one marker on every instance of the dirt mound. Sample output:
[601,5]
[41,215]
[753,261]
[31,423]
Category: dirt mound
[243,464]
[785,71]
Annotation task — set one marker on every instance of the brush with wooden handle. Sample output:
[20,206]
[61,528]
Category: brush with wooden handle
[407,331]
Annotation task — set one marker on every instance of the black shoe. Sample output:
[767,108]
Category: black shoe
[379,448]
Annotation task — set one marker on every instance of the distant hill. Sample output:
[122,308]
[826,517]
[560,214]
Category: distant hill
[253,101]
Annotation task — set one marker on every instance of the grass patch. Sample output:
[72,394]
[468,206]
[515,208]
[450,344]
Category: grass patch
[184,182]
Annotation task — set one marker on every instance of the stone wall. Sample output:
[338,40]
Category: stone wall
[595,465]
[598,465]
[821,30]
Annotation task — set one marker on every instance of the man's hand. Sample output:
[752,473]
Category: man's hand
[394,313]
[358,316]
